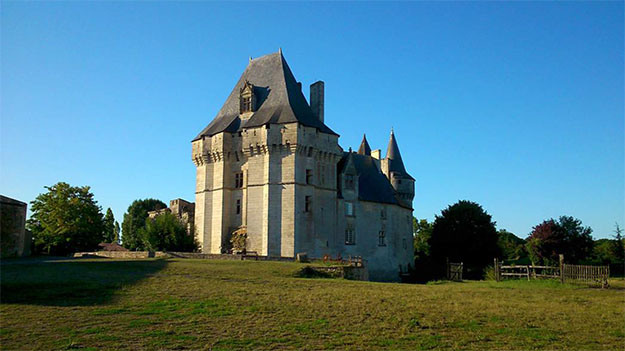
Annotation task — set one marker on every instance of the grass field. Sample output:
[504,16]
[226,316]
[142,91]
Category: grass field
[226,305]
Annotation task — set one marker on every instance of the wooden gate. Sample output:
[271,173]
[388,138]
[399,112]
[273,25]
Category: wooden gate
[454,271]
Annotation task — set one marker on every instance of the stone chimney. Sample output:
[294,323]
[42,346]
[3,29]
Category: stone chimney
[316,99]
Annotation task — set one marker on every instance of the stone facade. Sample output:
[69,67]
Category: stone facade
[15,239]
[268,165]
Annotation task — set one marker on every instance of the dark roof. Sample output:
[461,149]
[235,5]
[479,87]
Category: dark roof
[372,183]
[364,148]
[395,163]
[279,99]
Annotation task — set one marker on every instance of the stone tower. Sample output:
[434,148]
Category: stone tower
[393,167]
[266,164]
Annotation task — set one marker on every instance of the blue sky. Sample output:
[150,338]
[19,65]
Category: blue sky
[517,106]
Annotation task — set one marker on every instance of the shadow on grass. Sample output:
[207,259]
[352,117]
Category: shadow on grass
[71,282]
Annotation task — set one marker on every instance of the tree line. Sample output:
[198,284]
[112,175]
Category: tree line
[465,232]
[67,219]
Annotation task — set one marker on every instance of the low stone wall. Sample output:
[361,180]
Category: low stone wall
[346,272]
[122,254]
[168,254]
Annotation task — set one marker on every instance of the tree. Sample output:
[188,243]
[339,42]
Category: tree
[116,232]
[566,236]
[619,244]
[464,232]
[109,226]
[166,233]
[422,231]
[65,219]
[134,220]
[512,247]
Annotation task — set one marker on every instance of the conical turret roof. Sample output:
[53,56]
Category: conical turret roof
[395,162]
[364,148]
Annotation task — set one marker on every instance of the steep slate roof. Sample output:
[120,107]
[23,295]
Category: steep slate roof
[279,99]
[395,162]
[372,183]
[364,148]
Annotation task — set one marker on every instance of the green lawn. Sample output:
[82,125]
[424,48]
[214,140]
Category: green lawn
[224,305]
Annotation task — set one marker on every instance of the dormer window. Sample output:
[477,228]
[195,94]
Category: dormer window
[349,181]
[248,100]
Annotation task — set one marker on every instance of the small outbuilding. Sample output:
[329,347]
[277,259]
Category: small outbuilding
[15,240]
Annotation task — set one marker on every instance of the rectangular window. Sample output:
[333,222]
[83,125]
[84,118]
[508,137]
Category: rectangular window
[238,180]
[308,205]
[349,181]
[349,209]
[383,213]
[350,238]
[404,244]
[381,236]
[238,206]
[309,176]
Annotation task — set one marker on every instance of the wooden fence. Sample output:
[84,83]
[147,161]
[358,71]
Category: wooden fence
[454,271]
[595,274]
[564,272]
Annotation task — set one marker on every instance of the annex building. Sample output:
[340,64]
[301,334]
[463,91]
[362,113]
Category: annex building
[269,165]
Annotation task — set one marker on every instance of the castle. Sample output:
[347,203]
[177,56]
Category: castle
[268,165]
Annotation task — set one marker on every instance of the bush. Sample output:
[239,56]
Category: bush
[166,233]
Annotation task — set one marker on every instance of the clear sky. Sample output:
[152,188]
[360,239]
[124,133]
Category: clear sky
[517,106]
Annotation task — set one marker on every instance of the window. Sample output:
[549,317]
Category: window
[349,181]
[238,206]
[246,104]
[247,98]
[383,213]
[350,238]
[309,176]
[308,204]
[238,180]
[349,209]
[404,243]
[381,236]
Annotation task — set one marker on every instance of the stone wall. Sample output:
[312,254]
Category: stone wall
[15,240]
[171,254]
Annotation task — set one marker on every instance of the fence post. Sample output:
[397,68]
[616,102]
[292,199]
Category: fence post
[447,272]
[561,268]
[496,270]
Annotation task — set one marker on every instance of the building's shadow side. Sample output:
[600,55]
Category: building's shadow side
[71,283]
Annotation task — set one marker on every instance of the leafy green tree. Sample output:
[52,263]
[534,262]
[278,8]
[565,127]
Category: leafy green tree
[116,232]
[512,247]
[422,231]
[604,252]
[566,236]
[135,219]
[65,219]
[109,226]
[464,232]
[166,233]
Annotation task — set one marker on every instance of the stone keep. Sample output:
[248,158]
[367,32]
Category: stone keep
[269,166]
